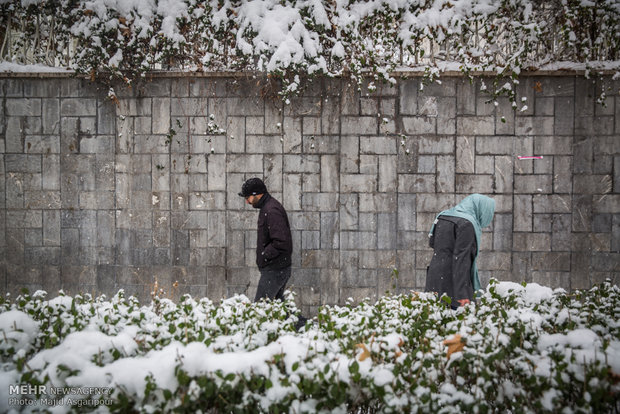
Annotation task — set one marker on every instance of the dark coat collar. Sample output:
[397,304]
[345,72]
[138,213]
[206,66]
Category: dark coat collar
[263,200]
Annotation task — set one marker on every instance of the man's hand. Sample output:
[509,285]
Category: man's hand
[463,302]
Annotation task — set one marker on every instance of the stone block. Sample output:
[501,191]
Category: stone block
[319,201]
[216,172]
[592,184]
[41,88]
[358,240]
[180,247]
[74,107]
[255,125]
[531,242]
[416,183]
[582,213]
[497,145]
[310,240]
[22,163]
[23,107]
[246,106]
[263,144]
[386,230]
[552,204]
[50,116]
[564,116]
[305,220]
[378,145]
[359,125]
[329,173]
[615,233]
[311,125]
[427,164]
[445,173]
[311,183]
[495,261]
[561,236]
[349,211]
[553,280]
[467,183]
[607,203]
[465,97]
[551,261]
[505,118]
[358,183]
[330,117]
[102,144]
[475,125]
[292,191]
[600,125]
[503,174]
[368,164]
[235,130]
[533,184]
[436,145]
[485,164]
[291,135]
[465,154]
[186,107]
[419,125]
[301,163]
[217,229]
[523,213]
[367,222]
[273,117]
[388,176]
[485,106]
[106,117]
[329,230]
[409,96]
[323,144]
[349,150]
[161,115]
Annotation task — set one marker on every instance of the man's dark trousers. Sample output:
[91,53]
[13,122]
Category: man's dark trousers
[272,283]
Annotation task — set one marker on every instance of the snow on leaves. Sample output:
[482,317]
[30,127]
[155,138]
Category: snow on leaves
[520,348]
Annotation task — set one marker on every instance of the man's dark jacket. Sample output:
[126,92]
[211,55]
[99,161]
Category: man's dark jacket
[274,243]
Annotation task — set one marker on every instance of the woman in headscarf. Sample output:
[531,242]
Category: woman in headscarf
[455,237]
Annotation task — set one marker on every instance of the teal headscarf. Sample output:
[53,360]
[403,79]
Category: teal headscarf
[478,210]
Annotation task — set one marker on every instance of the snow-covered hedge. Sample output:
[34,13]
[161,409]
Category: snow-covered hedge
[521,348]
[289,38]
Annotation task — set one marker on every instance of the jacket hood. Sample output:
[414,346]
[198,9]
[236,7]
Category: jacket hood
[480,208]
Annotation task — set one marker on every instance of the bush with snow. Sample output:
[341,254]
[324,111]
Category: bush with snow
[520,348]
[288,38]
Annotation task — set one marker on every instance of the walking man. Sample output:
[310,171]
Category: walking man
[274,243]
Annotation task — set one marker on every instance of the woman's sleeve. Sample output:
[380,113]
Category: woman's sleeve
[464,253]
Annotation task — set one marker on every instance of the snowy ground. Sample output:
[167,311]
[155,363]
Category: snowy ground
[519,348]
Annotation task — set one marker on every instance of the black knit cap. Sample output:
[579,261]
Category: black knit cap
[253,186]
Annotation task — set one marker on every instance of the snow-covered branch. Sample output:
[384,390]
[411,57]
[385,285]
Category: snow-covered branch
[285,38]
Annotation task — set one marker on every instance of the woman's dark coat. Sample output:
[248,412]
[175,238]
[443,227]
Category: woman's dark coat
[449,272]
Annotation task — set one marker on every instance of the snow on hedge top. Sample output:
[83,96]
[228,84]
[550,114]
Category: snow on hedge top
[532,293]
[17,329]
[286,37]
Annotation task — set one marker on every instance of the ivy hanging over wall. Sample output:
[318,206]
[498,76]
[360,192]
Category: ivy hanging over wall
[292,40]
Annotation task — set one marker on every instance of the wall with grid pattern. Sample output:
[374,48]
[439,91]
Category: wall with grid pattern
[134,193]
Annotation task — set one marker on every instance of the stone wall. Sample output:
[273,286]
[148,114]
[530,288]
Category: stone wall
[101,194]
